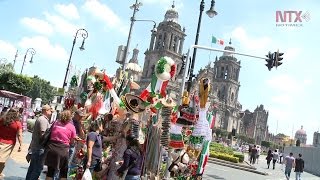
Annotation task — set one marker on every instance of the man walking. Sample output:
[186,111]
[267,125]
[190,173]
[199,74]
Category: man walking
[299,166]
[37,156]
[289,164]
[258,153]
[275,158]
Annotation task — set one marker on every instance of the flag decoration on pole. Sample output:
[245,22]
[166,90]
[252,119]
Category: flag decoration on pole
[217,41]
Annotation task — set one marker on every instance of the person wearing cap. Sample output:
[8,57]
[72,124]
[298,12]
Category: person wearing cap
[36,151]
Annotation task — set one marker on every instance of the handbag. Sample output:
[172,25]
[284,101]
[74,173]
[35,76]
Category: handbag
[46,136]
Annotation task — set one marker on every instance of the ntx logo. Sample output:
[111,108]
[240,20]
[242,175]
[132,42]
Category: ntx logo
[291,18]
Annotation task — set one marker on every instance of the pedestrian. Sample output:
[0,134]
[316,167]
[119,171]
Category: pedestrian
[289,164]
[269,158]
[36,151]
[132,160]
[258,154]
[280,157]
[299,166]
[253,155]
[10,130]
[57,151]
[275,157]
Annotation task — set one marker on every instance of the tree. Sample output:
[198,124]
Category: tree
[4,68]
[42,89]
[15,83]
[298,142]
[266,144]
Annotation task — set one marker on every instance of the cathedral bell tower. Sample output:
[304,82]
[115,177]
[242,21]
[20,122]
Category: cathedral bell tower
[168,41]
[226,85]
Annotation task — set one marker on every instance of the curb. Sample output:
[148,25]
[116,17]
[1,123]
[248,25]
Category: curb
[233,164]
[238,167]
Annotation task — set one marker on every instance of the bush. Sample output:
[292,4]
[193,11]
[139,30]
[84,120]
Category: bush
[226,157]
[219,148]
[240,156]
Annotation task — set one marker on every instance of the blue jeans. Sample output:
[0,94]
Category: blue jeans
[132,177]
[36,165]
[298,175]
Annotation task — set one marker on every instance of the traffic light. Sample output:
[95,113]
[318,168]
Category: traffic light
[183,64]
[270,61]
[278,58]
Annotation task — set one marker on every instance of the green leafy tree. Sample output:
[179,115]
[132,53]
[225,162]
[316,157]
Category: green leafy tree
[42,89]
[4,68]
[266,144]
[15,83]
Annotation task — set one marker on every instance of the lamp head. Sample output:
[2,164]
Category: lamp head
[211,12]
[31,60]
[82,46]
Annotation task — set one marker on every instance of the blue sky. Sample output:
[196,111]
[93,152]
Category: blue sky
[289,93]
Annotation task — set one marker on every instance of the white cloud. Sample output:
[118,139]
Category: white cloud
[285,83]
[250,43]
[165,3]
[7,50]
[61,25]
[69,11]
[105,14]
[284,99]
[37,25]
[44,49]
[291,54]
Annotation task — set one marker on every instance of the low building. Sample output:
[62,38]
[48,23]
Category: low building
[316,139]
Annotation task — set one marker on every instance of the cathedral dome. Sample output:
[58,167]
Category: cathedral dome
[301,131]
[171,15]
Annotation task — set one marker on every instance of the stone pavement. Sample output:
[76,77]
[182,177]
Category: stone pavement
[278,172]
[17,166]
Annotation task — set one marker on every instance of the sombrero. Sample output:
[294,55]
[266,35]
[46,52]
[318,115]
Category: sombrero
[133,103]
[168,102]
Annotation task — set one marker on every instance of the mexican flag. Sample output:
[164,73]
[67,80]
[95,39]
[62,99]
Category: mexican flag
[217,41]
[211,117]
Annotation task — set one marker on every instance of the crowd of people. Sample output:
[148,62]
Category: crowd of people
[64,149]
[275,157]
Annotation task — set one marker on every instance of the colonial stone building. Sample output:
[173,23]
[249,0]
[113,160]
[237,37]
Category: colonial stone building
[255,124]
[168,41]
[224,77]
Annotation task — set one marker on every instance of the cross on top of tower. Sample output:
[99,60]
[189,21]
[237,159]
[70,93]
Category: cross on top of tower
[173,4]
[230,41]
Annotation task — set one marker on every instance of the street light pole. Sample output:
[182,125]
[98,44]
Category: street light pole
[15,59]
[84,34]
[32,52]
[211,13]
[135,8]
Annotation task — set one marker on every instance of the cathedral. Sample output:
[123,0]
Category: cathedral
[168,41]
[223,73]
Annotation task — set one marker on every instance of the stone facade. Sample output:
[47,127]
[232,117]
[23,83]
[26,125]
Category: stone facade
[168,40]
[258,129]
[224,77]
[316,139]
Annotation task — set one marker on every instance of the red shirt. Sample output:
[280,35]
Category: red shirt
[8,134]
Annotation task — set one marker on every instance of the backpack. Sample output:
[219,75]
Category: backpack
[46,136]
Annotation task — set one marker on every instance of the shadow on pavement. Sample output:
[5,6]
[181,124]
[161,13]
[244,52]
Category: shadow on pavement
[216,177]
[14,178]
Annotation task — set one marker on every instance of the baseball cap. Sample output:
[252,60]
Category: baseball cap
[47,107]
[80,112]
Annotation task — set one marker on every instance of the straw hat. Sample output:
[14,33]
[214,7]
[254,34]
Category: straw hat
[133,103]
[168,102]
